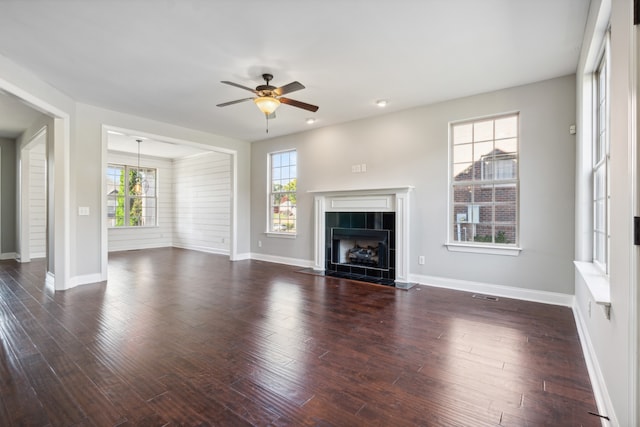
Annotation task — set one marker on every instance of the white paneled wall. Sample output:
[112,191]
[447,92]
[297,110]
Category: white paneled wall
[202,186]
[127,238]
[37,202]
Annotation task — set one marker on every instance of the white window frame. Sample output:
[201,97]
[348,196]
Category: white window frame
[128,196]
[271,195]
[493,247]
[600,164]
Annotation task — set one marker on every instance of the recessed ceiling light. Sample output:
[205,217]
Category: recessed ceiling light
[381,103]
[311,121]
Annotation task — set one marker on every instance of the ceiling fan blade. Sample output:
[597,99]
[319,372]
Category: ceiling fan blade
[299,104]
[291,87]
[224,104]
[237,85]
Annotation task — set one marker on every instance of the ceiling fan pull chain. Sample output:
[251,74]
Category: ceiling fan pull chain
[266,116]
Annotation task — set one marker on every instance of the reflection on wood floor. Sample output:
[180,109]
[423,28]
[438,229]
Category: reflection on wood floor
[177,337]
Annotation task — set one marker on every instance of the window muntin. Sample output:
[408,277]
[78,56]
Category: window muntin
[600,172]
[131,196]
[282,192]
[484,181]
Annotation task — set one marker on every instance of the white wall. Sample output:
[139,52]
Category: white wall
[411,148]
[37,202]
[202,186]
[611,343]
[127,238]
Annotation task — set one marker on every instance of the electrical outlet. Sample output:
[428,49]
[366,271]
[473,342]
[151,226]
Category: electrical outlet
[421,260]
[259,243]
[363,167]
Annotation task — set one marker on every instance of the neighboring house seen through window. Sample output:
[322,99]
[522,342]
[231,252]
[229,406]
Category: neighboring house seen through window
[131,196]
[484,181]
[282,192]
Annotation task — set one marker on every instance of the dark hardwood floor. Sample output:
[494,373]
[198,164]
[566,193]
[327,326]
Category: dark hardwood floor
[185,338]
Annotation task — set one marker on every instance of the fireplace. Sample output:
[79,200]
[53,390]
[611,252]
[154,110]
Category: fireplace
[361,245]
[342,216]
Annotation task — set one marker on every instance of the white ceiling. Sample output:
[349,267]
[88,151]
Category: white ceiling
[117,141]
[165,59]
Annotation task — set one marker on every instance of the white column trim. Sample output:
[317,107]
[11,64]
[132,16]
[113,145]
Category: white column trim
[319,247]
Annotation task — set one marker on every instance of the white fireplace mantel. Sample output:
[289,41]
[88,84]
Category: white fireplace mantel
[393,199]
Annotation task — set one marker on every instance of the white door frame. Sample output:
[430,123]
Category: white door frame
[58,230]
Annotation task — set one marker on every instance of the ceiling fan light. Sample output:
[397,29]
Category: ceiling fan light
[267,104]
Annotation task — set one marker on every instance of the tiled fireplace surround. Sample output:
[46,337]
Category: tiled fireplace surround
[364,209]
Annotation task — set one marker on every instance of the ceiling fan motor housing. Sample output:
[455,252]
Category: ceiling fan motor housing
[266,89]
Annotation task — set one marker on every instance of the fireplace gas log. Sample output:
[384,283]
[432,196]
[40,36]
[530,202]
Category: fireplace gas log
[363,255]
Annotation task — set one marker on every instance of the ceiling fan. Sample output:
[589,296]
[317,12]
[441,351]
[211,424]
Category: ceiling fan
[268,98]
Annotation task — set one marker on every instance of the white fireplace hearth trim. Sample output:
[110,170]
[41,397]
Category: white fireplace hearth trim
[394,199]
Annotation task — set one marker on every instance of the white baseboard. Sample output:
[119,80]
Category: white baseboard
[600,392]
[7,255]
[21,260]
[283,260]
[138,246]
[545,297]
[84,280]
[206,249]
[242,257]
[50,280]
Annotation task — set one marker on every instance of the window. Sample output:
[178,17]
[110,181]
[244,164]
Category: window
[600,173]
[484,181]
[282,192]
[131,196]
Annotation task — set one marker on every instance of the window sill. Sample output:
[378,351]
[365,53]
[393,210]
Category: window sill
[280,235]
[483,249]
[597,282]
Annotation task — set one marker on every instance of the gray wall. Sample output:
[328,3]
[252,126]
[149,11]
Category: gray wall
[411,148]
[8,194]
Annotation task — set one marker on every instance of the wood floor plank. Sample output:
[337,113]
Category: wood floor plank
[60,407]
[20,404]
[177,337]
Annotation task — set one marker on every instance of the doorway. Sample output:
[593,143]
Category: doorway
[188,200]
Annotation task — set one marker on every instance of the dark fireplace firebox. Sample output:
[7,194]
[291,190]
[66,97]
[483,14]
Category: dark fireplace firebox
[361,246]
